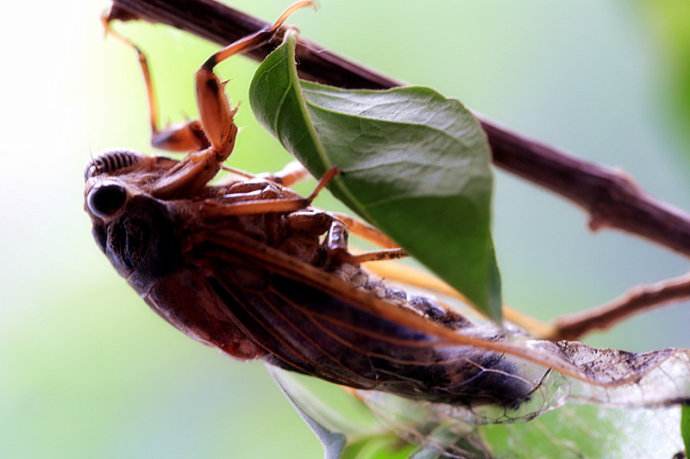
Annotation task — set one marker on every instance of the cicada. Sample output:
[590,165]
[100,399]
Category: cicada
[252,268]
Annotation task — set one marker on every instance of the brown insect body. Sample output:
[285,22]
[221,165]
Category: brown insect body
[206,274]
[251,268]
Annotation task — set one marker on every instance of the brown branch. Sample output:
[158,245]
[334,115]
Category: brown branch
[610,197]
[635,301]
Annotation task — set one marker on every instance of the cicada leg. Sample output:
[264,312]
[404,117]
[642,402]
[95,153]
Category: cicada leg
[243,206]
[379,255]
[408,275]
[216,137]
[215,111]
[183,137]
[293,173]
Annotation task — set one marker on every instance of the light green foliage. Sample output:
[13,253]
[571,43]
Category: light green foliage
[685,427]
[670,19]
[386,446]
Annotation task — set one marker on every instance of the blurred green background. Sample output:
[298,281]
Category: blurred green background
[86,370]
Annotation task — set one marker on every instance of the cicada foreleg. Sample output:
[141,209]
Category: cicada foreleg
[241,205]
[182,137]
[293,173]
[212,138]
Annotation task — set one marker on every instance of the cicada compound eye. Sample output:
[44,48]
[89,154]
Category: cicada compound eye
[106,199]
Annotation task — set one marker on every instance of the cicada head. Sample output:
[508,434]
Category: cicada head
[134,229]
[143,236]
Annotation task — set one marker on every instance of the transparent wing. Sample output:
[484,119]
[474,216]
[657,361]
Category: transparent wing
[570,431]
[402,338]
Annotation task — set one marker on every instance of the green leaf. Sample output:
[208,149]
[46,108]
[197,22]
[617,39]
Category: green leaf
[384,446]
[413,163]
[685,427]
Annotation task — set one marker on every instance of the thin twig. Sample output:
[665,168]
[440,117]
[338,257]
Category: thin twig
[635,301]
[610,197]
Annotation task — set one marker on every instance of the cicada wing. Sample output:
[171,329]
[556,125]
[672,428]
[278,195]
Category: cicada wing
[333,440]
[333,407]
[341,411]
[301,302]
[321,326]
[302,299]
[569,432]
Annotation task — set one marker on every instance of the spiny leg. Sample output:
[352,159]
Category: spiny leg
[216,208]
[291,174]
[294,172]
[379,255]
[214,109]
[216,116]
[182,137]
[190,136]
